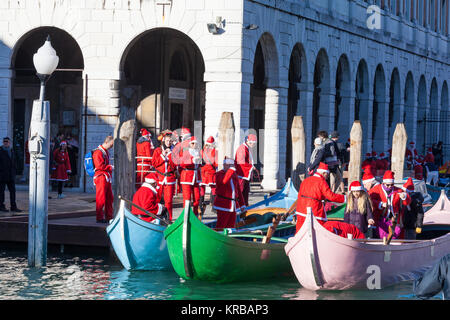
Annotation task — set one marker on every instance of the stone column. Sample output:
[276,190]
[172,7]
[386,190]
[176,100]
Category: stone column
[366,122]
[274,138]
[298,145]
[348,105]
[6,104]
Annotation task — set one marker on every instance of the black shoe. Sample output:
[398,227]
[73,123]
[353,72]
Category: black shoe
[15,209]
[3,208]
[101,221]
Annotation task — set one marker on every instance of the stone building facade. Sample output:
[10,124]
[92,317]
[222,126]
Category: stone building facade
[184,62]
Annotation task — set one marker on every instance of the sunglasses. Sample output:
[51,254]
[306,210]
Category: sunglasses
[389,185]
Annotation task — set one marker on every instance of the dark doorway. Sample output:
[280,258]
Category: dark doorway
[19,134]
[176,120]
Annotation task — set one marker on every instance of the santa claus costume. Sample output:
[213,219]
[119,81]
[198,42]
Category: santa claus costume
[190,178]
[208,170]
[411,155]
[148,198]
[369,164]
[381,164]
[102,180]
[429,156]
[418,169]
[313,191]
[245,166]
[61,167]
[387,200]
[144,152]
[165,170]
[177,153]
[229,199]
[369,180]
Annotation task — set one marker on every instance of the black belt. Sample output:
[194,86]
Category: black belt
[310,198]
[232,199]
[165,174]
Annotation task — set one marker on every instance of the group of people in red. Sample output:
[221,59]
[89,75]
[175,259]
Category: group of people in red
[369,205]
[174,165]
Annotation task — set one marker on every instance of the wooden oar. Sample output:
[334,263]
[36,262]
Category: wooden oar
[391,229]
[145,211]
[276,220]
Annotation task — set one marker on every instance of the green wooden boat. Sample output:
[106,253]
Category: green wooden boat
[201,253]
[337,213]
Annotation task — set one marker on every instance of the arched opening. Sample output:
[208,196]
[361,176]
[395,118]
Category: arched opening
[258,102]
[162,77]
[445,121]
[362,100]
[296,103]
[64,91]
[394,103]
[433,115]
[410,110]
[321,105]
[379,110]
[342,112]
[421,132]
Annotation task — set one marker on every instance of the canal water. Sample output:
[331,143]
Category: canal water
[94,277]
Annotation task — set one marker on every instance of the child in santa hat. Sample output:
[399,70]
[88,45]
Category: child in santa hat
[359,207]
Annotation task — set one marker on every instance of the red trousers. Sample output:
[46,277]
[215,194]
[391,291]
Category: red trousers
[167,191]
[103,198]
[245,189]
[189,192]
[225,219]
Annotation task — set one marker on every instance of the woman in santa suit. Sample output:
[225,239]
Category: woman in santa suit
[147,197]
[61,167]
[229,198]
[190,175]
[144,153]
[165,170]
[208,170]
[387,200]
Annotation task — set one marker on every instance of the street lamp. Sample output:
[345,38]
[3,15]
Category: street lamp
[45,61]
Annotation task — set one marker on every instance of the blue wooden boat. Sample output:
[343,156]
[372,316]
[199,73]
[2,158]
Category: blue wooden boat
[282,199]
[139,245]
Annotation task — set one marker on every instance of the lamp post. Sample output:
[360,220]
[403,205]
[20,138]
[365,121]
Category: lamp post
[45,61]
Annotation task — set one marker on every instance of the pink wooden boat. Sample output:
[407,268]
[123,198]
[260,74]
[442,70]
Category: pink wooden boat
[439,214]
[322,260]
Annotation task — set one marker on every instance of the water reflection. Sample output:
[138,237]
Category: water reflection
[90,278]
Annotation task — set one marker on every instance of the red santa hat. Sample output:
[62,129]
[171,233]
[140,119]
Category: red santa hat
[367,176]
[62,143]
[382,155]
[374,153]
[430,150]
[145,132]
[368,155]
[355,186]
[252,138]
[388,177]
[210,140]
[193,139]
[322,168]
[412,144]
[185,132]
[151,178]
[409,185]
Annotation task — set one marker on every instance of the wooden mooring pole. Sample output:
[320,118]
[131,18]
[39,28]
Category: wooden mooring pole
[354,167]
[399,141]
[226,138]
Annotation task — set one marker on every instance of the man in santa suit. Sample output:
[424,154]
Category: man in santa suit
[144,152]
[208,170]
[244,164]
[344,229]
[411,155]
[418,169]
[369,180]
[229,198]
[313,191]
[190,178]
[148,198]
[381,164]
[177,152]
[429,157]
[387,200]
[369,164]
[102,180]
[165,170]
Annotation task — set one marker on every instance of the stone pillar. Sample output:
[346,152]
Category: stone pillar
[346,120]
[326,109]
[6,103]
[274,138]
[366,122]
